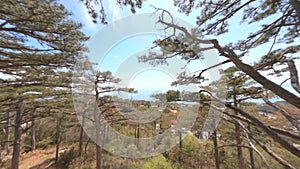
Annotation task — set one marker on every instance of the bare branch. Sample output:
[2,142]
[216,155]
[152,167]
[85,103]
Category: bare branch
[211,67]
[275,129]
[260,124]
[285,132]
[269,151]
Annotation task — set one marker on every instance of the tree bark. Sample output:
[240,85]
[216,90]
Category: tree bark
[81,135]
[294,74]
[7,133]
[251,152]
[17,138]
[0,154]
[57,138]
[137,135]
[296,5]
[239,147]
[99,156]
[97,125]
[238,135]
[216,154]
[80,142]
[33,141]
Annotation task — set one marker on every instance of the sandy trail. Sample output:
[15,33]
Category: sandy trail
[37,159]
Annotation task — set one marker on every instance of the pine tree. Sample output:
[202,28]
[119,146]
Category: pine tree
[239,88]
[39,46]
[281,34]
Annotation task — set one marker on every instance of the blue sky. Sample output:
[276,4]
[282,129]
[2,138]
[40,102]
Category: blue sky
[111,55]
[153,80]
[116,53]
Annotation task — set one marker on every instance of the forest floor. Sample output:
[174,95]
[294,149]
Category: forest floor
[37,159]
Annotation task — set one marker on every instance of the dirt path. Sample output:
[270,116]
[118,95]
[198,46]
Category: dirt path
[37,159]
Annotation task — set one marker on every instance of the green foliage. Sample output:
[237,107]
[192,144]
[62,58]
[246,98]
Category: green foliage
[172,95]
[80,163]
[40,45]
[238,85]
[141,104]
[157,162]
[194,153]
[67,157]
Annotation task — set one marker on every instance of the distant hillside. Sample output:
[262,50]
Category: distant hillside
[263,107]
[284,103]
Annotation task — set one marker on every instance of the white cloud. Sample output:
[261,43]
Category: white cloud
[115,10]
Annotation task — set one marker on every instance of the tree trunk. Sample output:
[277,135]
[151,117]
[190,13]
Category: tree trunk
[137,134]
[98,147]
[154,128]
[97,125]
[17,138]
[57,139]
[238,135]
[215,140]
[98,143]
[81,135]
[296,5]
[99,156]
[239,147]
[0,154]
[33,141]
[180,149]
[26,128]
[251,152]
[154,132]
[7,133]
[80,142]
